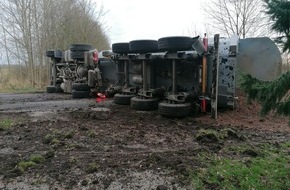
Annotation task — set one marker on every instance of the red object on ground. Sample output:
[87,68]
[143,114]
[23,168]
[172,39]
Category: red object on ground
[100,97]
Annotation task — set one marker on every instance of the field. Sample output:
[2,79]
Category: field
[46,143]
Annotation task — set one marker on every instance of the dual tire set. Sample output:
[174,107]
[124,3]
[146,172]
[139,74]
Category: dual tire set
[80,90]
[167,44]
[164,108]
[136,102]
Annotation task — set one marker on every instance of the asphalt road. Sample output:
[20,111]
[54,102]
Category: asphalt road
[45,102]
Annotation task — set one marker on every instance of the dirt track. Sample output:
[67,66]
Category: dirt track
[89,145]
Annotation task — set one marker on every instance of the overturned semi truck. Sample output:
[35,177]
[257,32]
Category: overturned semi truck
[177,75]
[180,75]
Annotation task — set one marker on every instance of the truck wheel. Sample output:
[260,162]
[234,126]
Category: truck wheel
[58,54]
[143,46]
[81,47]
[51,89]
[77,51]
[59,89]
[80,94]
[50,53]
[120,48]
[77,55]
[138,103]
[175,43]
[80,87]
[174,110]
[123,99]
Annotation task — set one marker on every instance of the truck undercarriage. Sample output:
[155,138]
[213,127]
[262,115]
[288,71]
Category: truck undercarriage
[177,75]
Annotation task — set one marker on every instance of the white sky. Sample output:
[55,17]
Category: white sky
[128,20]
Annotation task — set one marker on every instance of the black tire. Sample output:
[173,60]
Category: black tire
[77,51]
[58,54]
[143,46]
[50,53]
[174,110]
[137,103]
[51,89]
[80,47]
[59,81]
[80,87]
[123,99]
[175,43]
[120,48]
[80,94]
[78,55]
[59,89]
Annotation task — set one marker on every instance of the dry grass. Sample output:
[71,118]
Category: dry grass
[16,80]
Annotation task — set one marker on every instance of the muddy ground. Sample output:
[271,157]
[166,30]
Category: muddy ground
[88,145]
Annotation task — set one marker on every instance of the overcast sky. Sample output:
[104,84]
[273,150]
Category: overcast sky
[128,20]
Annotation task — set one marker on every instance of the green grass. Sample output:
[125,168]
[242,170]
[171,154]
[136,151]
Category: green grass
[93,167]
[215,136]
[69,134]
[92,134]
[56,137]
[72,160]
[5,124]
[37,158]
[269,171]
[24,165]
[33,161]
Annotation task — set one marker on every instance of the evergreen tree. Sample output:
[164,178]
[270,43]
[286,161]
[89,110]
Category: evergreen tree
[274,95]
[279,11]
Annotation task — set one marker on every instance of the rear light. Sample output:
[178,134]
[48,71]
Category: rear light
[103,96]
[95,57]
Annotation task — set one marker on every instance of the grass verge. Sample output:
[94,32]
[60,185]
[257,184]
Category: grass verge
[271,170]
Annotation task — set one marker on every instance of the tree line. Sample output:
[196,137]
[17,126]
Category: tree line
[30,27]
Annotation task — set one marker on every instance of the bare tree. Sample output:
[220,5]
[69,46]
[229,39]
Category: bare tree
[236,17]
[30,27]
[5,44]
